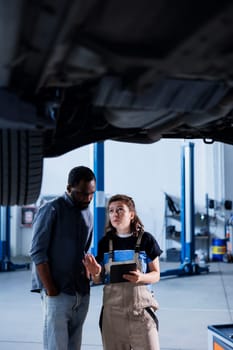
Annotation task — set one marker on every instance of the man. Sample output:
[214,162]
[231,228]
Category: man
[62,234]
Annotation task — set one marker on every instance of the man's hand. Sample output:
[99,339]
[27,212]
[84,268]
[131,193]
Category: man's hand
[92,265]
[46,279]
[52,292]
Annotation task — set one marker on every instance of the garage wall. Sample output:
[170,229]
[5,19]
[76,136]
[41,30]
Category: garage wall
[53,184]
[145,172]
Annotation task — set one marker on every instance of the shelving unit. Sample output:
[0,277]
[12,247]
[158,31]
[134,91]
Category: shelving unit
[172,221]
[173,231]
[202,231]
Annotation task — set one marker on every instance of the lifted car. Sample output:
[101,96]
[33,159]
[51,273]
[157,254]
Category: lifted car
[77,72]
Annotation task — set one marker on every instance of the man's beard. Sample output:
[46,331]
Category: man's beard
[82,205]
[78,204]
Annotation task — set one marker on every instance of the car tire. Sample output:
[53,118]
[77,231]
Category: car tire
[21,166]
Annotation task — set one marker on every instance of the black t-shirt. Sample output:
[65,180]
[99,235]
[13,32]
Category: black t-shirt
[149,246]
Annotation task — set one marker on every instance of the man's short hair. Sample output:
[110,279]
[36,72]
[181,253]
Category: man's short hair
[80,173]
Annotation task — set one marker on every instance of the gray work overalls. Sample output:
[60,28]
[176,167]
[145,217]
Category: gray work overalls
[128,320]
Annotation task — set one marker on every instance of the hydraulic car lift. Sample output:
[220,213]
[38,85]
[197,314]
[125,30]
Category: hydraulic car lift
[188,265]
[5,262]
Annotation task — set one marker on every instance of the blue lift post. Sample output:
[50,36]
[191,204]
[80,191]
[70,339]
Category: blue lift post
[5,254]
[4,238]
[99,199]
[188,265]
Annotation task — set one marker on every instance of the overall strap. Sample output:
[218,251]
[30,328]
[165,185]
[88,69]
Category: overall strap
[138,243]
[110,256]
[110,252]
[137,250]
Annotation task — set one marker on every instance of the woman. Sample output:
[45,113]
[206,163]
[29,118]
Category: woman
[128,318]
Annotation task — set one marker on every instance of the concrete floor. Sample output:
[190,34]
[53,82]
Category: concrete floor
[188,305]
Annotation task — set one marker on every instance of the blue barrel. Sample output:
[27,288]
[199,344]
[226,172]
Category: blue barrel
[218,249]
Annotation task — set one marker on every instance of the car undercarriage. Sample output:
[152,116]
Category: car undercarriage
[73,73]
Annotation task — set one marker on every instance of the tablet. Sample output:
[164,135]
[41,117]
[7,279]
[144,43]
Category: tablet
[117,271]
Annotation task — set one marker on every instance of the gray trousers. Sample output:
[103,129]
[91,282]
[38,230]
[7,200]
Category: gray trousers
[63,318]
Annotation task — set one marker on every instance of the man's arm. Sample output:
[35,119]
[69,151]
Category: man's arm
[42,235]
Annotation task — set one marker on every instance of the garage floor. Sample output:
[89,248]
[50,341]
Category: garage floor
[187,306]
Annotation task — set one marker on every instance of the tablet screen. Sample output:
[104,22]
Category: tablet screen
[118,270]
